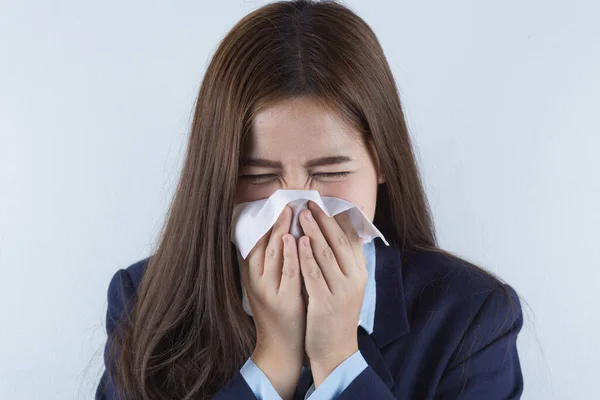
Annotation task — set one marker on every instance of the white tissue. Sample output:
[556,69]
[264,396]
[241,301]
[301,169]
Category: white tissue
[251,220]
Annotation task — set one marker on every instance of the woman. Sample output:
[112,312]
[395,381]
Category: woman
[299,95]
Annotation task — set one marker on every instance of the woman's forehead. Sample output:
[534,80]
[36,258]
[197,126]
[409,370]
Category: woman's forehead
[301,126]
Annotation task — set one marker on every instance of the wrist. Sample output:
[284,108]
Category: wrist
[277,363]
[323,367]
[282,371]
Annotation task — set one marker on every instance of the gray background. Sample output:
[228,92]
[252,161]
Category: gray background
[96,99]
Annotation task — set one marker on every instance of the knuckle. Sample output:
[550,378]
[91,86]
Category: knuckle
[270,253]
[306,255]
[315,272]
[343,240]
[287,271]
[327,253]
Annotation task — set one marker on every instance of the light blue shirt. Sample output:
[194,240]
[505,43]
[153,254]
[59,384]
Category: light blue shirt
[343,374]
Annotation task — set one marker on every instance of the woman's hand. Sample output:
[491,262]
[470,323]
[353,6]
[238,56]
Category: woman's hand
[335,275]
[271,276]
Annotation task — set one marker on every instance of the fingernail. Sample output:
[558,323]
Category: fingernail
[308,216]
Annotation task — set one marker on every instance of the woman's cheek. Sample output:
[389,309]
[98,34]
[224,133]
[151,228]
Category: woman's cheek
[246,193]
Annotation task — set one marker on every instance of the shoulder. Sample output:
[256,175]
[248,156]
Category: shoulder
[126,280]
[452,277]
[466,321]
[447,289]
[121,291]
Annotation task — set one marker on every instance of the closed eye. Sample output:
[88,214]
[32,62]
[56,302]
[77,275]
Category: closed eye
[258,178]
[333,174]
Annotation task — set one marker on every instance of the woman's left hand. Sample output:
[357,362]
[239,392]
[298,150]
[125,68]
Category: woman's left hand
[334,269]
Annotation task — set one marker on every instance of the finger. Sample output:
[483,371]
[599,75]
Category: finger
[274,250]
[356,242]
[290,275]
[337,239]
[314,281]
[322,251]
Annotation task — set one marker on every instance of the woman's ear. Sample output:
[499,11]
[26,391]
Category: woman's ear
[381,178]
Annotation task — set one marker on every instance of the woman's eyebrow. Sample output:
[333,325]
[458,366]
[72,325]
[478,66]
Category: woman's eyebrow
[316,162]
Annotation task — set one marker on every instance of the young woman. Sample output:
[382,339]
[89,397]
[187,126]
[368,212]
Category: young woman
[299,95]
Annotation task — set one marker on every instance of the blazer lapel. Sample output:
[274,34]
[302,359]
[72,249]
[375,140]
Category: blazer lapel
[391,321]
[369,350]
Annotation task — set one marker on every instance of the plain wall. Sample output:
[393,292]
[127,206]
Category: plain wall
[96,101]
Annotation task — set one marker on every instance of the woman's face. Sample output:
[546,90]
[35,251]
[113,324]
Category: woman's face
[299,144]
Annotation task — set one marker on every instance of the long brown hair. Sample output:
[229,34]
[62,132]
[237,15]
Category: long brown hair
[187,334]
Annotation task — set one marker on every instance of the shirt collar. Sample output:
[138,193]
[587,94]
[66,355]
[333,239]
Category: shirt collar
[367,312]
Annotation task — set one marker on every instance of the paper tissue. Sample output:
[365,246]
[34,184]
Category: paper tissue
[251,220]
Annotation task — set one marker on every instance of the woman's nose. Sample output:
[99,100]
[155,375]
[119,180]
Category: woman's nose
[296,187]
[297,182]
[299,187]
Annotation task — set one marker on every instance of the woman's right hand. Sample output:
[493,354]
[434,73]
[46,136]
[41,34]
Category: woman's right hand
[272,278]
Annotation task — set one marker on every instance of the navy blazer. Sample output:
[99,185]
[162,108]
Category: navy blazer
[443,330]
